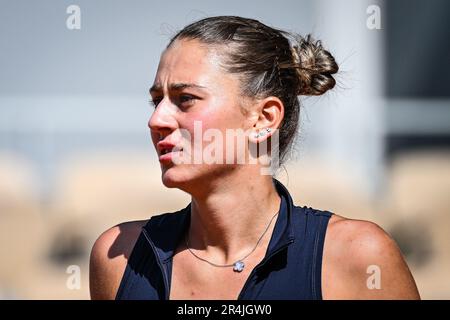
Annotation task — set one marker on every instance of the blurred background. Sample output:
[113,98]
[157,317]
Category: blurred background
[76,156]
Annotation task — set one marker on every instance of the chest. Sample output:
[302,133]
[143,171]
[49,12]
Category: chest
[192,278]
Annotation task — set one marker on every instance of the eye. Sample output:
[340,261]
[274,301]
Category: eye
[186,99]
[154,102]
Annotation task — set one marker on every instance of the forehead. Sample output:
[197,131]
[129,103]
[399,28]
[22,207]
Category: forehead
[188,61]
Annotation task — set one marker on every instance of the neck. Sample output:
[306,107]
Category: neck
[228,220]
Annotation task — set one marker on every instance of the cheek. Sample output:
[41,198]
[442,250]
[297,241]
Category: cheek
[220,113]
[223,116]
[207,118]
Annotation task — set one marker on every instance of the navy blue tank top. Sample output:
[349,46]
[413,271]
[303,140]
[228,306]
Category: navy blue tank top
[290,270]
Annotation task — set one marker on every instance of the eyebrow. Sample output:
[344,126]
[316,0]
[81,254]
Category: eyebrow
[176,87]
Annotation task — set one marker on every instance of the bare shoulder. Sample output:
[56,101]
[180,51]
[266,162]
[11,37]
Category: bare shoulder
[109,256]
[361,261]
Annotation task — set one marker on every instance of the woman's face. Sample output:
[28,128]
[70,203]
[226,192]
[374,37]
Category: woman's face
[192,91]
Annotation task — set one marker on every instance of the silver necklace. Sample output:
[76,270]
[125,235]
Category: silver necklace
[239,265]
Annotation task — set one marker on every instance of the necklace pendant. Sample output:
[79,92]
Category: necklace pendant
[238,266]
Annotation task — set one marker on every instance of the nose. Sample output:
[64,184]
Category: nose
[163,120]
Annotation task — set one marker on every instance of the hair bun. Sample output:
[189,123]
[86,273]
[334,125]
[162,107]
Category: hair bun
[314,66]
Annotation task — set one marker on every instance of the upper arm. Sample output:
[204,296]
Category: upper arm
[109,256]
[361,261]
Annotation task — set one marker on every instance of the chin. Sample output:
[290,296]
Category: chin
[186,177]
[174,177]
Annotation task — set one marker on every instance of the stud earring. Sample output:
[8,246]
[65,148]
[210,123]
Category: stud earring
[263,133]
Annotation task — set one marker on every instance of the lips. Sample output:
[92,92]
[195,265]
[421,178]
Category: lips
[166,150]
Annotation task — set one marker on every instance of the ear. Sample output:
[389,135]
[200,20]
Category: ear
[269,114]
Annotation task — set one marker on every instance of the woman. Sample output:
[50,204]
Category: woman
[241,237]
